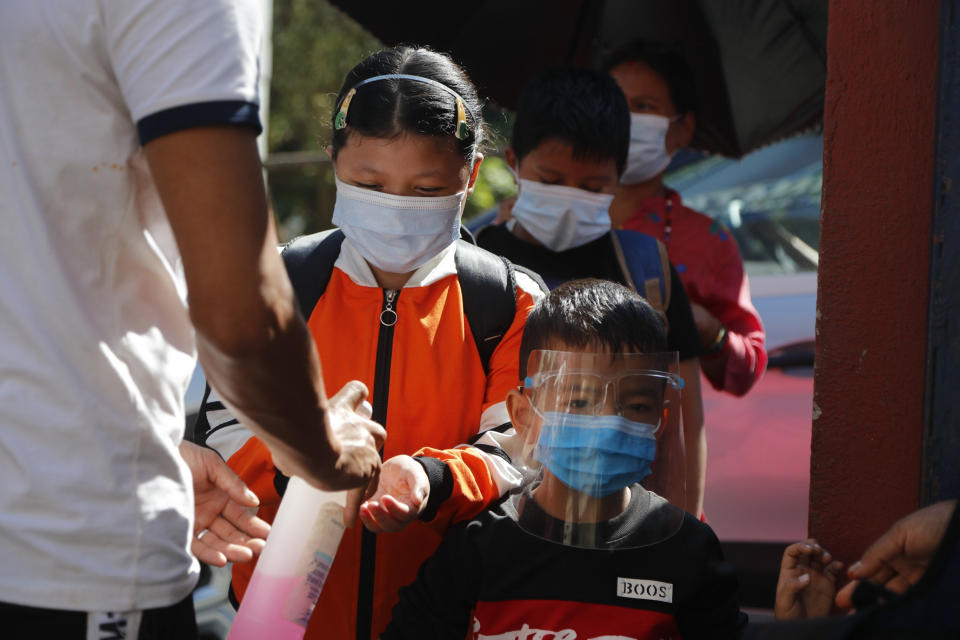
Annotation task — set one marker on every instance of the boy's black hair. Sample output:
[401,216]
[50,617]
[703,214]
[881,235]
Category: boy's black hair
[592,313]
[667,62]
[582,107]
[388,108]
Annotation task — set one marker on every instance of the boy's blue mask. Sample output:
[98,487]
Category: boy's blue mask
[594,422]
[596,454]
[598,420]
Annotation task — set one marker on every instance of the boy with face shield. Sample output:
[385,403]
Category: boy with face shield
[568,150]
[583,550]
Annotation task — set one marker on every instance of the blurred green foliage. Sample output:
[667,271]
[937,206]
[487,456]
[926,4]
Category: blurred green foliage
[314,46]
[494,183]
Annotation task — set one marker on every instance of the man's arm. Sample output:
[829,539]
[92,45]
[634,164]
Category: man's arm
[253,344]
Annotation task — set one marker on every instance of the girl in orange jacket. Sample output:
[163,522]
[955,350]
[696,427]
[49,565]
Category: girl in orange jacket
[406,151]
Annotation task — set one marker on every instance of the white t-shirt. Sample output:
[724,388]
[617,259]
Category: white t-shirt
[96,347]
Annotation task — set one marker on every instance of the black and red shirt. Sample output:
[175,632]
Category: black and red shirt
[492,579]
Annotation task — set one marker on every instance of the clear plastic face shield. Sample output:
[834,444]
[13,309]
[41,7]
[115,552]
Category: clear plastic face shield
[602,448]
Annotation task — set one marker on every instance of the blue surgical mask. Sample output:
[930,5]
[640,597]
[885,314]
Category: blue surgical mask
[397,233]
[561,217]
[596,455]
[648,155]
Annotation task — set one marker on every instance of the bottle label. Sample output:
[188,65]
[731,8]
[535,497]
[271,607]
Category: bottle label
[324,540]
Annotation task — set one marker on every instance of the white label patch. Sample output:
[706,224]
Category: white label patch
[644,589]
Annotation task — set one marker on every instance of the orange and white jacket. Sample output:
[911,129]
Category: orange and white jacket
[438,398]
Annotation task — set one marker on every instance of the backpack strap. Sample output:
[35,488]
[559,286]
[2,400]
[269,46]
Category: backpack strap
[198,433]
[533,275]
[309,261]
[467,236]
[489,289]
[643,261]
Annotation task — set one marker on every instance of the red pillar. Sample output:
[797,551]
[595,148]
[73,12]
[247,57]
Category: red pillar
[878,163]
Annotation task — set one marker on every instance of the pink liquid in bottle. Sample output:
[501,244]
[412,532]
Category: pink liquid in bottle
[259,620]
[293,567]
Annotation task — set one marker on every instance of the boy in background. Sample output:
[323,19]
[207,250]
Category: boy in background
[568,149]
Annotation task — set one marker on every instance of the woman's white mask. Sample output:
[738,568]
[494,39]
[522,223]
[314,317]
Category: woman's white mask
[562,217]
[397,234]
[648,155]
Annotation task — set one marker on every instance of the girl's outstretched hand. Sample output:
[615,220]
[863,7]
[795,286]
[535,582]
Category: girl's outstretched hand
[400,498]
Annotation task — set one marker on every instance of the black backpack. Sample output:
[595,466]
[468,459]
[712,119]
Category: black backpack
[488,283]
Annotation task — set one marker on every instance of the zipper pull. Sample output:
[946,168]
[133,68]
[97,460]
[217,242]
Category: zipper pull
[388,317]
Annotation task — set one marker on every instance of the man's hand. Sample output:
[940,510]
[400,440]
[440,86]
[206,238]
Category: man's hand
[356,441]
[401,497]
[225,528]
[807,583]
[899,558]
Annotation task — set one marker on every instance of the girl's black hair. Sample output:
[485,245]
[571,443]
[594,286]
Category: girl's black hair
[592,314]
[388,108]
[584,108]
[667,62]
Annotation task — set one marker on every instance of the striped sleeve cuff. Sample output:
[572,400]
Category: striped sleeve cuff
[441,484]
[161,123]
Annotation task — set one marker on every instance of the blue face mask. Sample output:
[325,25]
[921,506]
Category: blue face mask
[596,455]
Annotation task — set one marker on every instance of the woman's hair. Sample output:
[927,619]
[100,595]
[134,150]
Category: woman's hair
[592,314]
[389,108]
[666,61]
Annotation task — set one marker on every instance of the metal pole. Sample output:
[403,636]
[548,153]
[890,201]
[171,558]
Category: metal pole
[941,445]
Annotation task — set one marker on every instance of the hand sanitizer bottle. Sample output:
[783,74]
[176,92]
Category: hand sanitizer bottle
[293,566]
